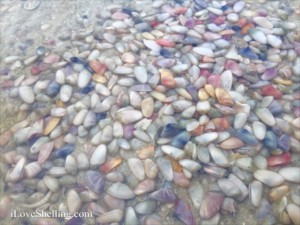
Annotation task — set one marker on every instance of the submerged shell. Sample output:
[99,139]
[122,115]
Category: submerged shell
[211,204]
[269,178]
[121,191]
[95,181]
[184,213]
[164,195]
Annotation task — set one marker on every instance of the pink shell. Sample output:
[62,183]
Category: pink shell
[211,204]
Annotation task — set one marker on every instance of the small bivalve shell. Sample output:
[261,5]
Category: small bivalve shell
[224,97]
[277,193]
[130,216]
[206,138]
[32,169]
[291,174]
[255,192]
[121,191]
[145,207]
[84,78]
[140,73]
[231,143]
[211,204]
[73,201]
[147,106]
[184,213]
[190,165]
[99,155]
[293,212]
[265,116]
[52,123]
[65,92]
[269,178]
[137,168]
[259,130]
[218,156]
[165,168]
[26,93]
[173,152]
[151,169]
[263,22]
[145,186]
[129,116]
[51,183]
[18,171]
[204,51]
[113,216]
[229,188]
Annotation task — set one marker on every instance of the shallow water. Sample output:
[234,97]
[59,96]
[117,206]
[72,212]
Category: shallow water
[23,31]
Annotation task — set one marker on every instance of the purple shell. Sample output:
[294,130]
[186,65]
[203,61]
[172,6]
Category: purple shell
[164,195]
[75,221]
[128,131]
[269,74]
[184,213]
[284,142]
[190,23]
[95,181]
[264,210]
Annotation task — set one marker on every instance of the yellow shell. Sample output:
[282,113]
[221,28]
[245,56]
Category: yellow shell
[146,152]
[210,90]
[202,95]
[223,97]
[279,80]
[52,123]
[159,96]
[277,193]
[112,164]
[60,103]
[99,78]
[22,115]
[167,78]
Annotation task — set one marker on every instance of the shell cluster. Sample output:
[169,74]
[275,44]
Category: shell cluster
[173,115]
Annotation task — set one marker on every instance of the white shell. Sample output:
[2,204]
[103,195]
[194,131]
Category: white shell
[73,201]
[120,190]
[26,93]
[291,174]
[65,93]
[255,192]
[206,138]
[259,130]
[226,79]
[190,165]
[152,45]
[165,168]
[129,116]
[263,22]
[99,156]
[204,51]
[79,118]
[218,156]
[266,116]
[137,168]
[274,41]
[110,217]
[140,73]
[269,178]
[84,78]
[173,152]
